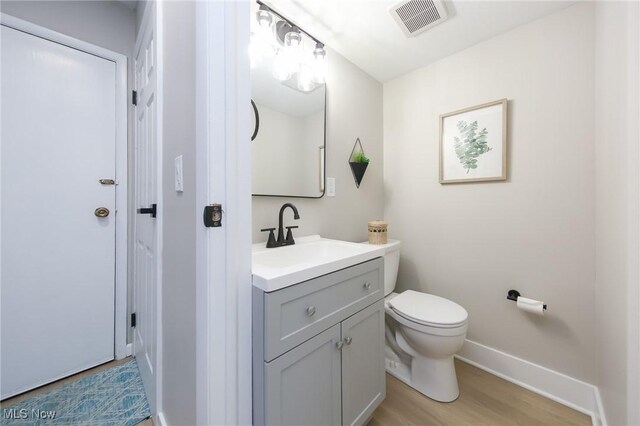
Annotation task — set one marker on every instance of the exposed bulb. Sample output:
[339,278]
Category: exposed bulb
[282,66]
[305,78]
[319,64]
[255,51]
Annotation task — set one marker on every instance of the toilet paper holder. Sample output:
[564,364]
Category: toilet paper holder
[514,294]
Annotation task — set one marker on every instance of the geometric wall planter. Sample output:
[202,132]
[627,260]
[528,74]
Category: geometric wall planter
[358,162]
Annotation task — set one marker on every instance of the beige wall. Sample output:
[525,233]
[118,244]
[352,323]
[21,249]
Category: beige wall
[354,109]
[471,243]
[616,166]
[179,216]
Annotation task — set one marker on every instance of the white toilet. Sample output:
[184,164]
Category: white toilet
[423,332]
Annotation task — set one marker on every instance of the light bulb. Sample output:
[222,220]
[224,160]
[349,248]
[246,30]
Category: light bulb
[282,68]
[255,51]
[305,78]
[319,64]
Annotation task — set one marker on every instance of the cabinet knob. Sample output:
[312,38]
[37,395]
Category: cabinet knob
[348,340]
[311,310]
[367,285]
[339,345]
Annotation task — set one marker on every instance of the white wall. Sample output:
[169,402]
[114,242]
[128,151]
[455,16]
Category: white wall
[108,24]
[354,109]
[616,206]
[471,243]
[179,216]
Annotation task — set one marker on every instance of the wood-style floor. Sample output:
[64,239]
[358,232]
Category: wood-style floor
[484,400]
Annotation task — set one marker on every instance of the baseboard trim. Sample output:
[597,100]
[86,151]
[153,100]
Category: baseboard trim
[566,390]
[160,420]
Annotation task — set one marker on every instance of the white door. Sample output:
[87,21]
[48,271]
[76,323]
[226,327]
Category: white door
[58,257]
[146,197]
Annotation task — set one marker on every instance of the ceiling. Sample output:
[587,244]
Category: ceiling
[364,32]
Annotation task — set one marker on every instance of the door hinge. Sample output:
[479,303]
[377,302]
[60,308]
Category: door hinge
[134,97]
[133,319]
[213,216]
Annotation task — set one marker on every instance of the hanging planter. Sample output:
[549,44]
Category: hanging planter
[358,162]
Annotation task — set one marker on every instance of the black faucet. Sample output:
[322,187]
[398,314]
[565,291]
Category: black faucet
[282,240]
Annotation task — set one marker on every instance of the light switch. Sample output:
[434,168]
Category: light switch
[179,186]
[331,187]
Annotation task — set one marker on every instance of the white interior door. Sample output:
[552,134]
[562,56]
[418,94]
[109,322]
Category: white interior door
[58,257]
[146,196]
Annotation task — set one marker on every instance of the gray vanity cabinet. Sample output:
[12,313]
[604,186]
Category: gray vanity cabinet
[318,349]
[306,383]
[362,354]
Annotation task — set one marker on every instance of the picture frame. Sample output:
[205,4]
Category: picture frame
[473,144]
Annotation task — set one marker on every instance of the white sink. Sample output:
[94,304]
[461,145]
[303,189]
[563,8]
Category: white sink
[309,257]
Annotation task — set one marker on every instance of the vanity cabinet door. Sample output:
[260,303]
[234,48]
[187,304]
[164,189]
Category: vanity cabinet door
[303,385]
[363,372]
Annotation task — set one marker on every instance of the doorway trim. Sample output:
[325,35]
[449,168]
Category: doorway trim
[120,60]
[223,254]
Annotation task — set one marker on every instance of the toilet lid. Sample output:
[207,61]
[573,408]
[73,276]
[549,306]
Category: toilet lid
[428,309]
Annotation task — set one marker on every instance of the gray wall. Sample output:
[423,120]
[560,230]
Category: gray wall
[179,217]
[472,242]
[354,110]
[616,168]
[108,24]
[140,8]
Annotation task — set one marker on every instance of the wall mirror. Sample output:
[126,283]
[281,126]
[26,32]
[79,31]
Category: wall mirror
[288,111]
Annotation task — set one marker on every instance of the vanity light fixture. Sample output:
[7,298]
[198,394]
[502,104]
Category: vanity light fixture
[264,17]
[283,66]
[320,63]
[276,34]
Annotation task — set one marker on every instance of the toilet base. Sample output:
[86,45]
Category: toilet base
[434,378]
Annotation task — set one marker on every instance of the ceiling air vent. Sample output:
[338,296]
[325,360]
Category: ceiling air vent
[416,16]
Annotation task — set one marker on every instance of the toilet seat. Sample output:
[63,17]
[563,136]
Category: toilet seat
[428,310]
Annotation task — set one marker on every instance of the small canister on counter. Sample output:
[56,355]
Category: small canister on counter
[377,232]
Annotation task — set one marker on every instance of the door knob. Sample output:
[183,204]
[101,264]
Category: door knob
[101,212]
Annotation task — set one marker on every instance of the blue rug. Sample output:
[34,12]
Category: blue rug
[113,397]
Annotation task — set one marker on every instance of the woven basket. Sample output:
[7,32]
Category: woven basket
[377,232]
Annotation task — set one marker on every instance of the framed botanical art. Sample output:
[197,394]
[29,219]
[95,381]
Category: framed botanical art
[473,144]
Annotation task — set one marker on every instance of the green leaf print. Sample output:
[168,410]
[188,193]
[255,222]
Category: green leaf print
[472,145]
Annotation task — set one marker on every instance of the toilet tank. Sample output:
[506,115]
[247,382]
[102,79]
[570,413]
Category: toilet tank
[391,264]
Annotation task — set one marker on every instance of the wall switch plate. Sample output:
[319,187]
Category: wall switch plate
[178,182]
[331,187]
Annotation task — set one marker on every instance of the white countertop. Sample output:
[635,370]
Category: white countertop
[310,257]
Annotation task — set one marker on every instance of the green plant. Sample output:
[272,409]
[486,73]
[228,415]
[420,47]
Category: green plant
[359,157]
[472,146]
